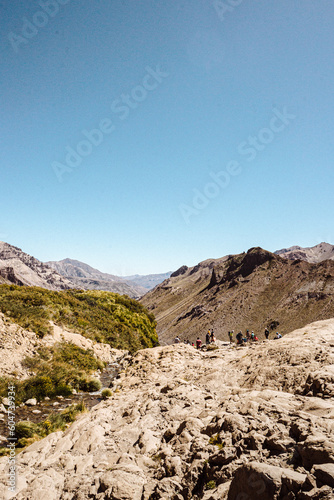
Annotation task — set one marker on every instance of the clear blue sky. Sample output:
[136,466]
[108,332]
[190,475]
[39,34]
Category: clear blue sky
[216,129]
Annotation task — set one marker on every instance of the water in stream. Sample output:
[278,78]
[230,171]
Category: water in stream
[58,404]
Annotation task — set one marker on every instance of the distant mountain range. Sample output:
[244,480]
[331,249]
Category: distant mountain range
[84,276]
[251,290]
[148,281]
[318,253]
[19,268]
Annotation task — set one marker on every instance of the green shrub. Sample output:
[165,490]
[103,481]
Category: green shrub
[28,432]
[217,441]
[106,393]
[58,370]
[91,385]
[98,315]
[210,485]
[26,429]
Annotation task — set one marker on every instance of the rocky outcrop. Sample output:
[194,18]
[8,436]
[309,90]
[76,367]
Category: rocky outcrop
[20,268]
[182,424]
[8,273]
[315,254]
[179,271]
[268,482]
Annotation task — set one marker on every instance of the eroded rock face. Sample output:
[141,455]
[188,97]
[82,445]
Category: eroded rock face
[187,425]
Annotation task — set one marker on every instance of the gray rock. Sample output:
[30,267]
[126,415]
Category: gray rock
[257,480]
[324,473]
[31,402]
[316,449]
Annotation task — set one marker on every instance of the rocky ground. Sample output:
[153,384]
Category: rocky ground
[246,423]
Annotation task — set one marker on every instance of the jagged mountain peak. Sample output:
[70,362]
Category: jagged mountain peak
[21,268]
[318,253]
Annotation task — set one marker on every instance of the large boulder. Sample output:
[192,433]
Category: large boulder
[324,473]
[256,481]
[316,449]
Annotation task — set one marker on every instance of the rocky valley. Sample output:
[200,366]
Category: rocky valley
[229,423]
[105,413]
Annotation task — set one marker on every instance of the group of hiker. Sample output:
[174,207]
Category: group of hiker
[240,338]
[249,337]
[209,339]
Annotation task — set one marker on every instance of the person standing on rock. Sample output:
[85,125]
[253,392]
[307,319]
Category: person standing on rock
[239,338]
[212,336]
[198,343]
[230,336]
[207,338]
[266,333]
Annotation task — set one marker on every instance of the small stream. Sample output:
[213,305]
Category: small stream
[59,403]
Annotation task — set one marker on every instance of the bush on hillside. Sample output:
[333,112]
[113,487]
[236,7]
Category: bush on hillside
[122,322]
[57,371]
[106,393]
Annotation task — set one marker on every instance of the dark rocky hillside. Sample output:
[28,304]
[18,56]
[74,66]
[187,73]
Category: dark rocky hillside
[248,291]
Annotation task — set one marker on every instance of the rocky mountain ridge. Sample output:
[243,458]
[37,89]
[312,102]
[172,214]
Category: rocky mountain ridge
[82,273]
[250,290]
[318,253]
[83,276]
[182,424]
[19,268]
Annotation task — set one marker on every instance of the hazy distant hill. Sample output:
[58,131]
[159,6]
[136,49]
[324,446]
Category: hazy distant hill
[250,290]
[318,253]
[20,268]
[87,277]
[83,276]
[148,281]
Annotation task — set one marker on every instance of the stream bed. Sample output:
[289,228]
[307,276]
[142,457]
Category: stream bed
[46,407]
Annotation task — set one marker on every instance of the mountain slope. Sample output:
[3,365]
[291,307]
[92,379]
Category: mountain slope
[251,290]
[318,253]
[20,268]
[83,276]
